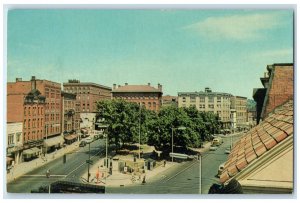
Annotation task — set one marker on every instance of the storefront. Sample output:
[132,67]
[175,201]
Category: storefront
[71,138]
[31,153]
[53,143]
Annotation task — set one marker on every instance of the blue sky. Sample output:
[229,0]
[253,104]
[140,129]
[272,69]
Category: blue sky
[184,50]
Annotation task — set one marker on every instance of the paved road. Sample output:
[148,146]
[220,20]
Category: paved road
[184,179]
[71,170]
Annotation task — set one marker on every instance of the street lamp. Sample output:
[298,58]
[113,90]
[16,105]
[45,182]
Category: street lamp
[173,129]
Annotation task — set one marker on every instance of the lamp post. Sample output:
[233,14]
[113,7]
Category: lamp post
[140,132]
[173,129]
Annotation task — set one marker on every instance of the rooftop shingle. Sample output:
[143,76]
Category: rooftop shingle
[259,140]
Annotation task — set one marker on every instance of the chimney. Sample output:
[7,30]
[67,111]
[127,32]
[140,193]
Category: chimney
[149,84]
[114,86]
[207,89]
[18,79]
[126,83]
[159,86]
[33,83]
[119,86]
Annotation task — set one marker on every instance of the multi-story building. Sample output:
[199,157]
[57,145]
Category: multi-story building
[87,94]
[37,104]
[14,143]
[278,88]
[239,105]
[169,100]
[145,95]
[70,117]
[208,101]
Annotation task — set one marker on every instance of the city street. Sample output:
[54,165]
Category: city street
[71,170]
[182,179]
[185,178]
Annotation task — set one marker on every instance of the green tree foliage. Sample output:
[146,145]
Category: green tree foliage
[127,121]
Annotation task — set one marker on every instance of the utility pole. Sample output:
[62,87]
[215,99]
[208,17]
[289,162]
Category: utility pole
[88,178]
[200,174]
[140,132]
[172,146]
[106,157]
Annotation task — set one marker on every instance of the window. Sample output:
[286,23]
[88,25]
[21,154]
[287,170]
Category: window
[202,106]
[183,99]
[211,106]
[193,98]
[10,138]
[154,104]
[149,104]
[210,99]
[202,99]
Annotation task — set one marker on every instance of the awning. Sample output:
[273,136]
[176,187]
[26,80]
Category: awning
[59,140]
[9,160]
[31,152]
[71,137]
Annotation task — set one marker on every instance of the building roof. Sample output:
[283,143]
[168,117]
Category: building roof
[136,88]
[86,84]
[201,93]
[261,139]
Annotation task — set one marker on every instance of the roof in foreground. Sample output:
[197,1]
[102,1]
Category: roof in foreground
[136,88]
[259,140]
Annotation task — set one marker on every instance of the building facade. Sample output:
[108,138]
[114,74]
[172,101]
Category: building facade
[146,95]
[169,100]
[239,105]
[14,143]
[70,117]
[208,101]
[87,93]
[37,104]
[278,87]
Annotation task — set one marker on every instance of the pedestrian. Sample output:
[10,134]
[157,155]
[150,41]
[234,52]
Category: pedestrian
[144,179]
[165,163]
[48,173]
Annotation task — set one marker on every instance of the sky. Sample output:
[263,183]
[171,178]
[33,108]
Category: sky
[184,50]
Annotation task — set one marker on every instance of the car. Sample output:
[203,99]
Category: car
[213,148]
[82,143]
[220,169]
[227,150]
[88,140]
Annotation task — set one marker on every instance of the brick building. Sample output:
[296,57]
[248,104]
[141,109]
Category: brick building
[70,117]
[169,100]
[146,95]
[208,101]
[37,104]
[278,85]
[87,93]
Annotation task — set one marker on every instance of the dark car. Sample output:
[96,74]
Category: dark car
[82,144]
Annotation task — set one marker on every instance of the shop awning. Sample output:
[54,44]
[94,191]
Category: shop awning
[31,152]
[54,141]
[9,160]
[71,137]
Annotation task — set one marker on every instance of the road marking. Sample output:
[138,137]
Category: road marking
[180,171]
[43,175]
[83,163]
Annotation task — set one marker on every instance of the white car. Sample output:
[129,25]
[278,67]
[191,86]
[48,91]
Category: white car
[221,168]
[227,150]
[89,139]
[213,148]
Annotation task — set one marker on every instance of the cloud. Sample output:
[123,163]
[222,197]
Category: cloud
[236,27]
[277,53]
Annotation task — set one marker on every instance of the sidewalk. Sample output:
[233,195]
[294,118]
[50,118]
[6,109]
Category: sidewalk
[121,179]
[25,167]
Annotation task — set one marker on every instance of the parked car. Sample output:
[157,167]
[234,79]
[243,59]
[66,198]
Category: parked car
[82,143]
[217,141]
[220,170]
[88,140]
[227,150]
[213,148]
